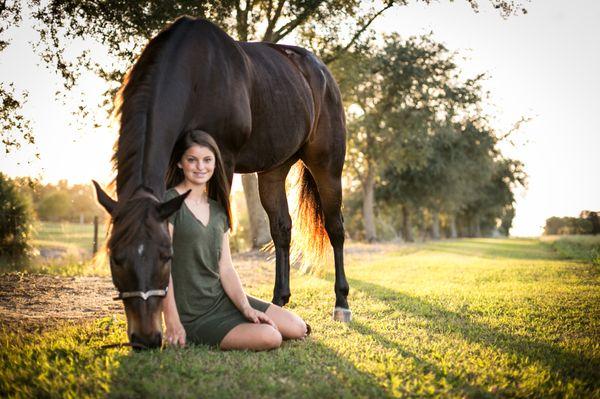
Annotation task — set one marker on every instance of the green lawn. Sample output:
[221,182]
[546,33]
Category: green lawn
[467,318]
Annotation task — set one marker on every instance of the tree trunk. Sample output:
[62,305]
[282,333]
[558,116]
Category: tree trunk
[259,225]
[474,228]
[453,230]
[368,207]
[407,232]
[435,225]
[477,227]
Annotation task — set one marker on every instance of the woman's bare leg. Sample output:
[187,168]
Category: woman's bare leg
[290,325]
[257,337]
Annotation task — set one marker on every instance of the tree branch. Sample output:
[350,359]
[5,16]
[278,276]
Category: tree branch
[241,17]
[290,26]
[339,52]
[268,36]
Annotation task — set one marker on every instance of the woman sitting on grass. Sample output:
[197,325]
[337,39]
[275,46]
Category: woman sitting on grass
[206,303]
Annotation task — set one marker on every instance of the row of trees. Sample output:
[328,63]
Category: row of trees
[588,222]
[61,202]
[422,155]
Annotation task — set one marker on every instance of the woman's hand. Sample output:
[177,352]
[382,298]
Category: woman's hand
[256,316]
[175,334]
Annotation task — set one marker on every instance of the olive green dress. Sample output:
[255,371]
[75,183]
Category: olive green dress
[205,310]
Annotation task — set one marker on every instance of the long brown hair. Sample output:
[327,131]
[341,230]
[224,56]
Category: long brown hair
[218,187]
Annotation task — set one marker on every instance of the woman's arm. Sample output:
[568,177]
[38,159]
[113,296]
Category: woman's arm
[230,279]
[233,287]
[175,333]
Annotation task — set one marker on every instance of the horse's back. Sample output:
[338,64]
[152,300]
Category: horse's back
[282,107]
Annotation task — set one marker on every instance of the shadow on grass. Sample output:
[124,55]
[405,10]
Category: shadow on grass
[297,369]
[493,249]
[461,387]
[562,362]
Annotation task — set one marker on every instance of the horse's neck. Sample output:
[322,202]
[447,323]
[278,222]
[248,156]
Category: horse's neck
[130,183]
[137,187]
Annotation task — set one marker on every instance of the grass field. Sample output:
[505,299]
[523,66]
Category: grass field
[65,235]
[467,318]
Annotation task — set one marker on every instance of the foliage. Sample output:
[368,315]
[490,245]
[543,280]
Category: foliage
[418,138]
[468,318]
[330,27]
[494,200]
[64,202]
[16,226]
[54,207]
[396,95]
[567,225]
[594,218]
[15,129]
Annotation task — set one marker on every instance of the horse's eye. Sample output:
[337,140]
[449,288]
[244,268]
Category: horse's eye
[165,257]
[117,261]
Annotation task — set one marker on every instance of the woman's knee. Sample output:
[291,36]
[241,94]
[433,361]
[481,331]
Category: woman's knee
[297,329]
[271,338]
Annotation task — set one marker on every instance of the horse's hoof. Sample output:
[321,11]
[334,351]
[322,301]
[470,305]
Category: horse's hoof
[342,314]
[281,301]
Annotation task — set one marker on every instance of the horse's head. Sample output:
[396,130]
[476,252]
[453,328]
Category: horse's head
[139,249]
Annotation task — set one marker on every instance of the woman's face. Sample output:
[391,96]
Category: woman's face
[198,164]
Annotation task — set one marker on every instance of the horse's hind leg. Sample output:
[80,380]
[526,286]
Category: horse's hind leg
[271,188]
[329,183]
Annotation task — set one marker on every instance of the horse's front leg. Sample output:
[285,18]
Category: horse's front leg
[271,186]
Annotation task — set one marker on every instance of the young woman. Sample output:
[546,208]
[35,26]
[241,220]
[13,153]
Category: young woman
[206,302]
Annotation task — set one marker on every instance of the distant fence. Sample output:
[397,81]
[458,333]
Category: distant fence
[60,239]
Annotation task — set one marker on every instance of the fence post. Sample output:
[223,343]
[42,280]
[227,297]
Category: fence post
[95,243]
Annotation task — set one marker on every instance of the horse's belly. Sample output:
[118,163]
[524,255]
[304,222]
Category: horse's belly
[280,127]
[271,149]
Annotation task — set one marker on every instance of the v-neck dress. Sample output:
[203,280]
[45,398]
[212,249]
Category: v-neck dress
[205,310]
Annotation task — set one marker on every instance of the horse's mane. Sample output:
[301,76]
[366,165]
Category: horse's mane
[132,110]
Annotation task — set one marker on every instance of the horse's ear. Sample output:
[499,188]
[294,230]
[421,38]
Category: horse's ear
[108,203]
[168,208]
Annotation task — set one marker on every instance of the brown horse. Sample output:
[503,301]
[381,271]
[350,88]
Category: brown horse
[267,106]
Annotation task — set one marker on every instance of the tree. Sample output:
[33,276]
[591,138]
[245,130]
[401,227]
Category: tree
[493,206]
[16,226]
[567,225]
[400,94]
[465,179]
[15,128]
[593,218]
[55,207]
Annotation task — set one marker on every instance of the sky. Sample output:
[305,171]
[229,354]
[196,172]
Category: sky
[544,65]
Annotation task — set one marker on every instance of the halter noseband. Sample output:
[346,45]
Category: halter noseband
[141,294]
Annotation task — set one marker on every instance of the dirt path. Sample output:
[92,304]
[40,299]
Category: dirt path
[35,302]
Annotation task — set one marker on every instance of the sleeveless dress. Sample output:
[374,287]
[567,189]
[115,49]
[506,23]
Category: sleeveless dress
[206,311]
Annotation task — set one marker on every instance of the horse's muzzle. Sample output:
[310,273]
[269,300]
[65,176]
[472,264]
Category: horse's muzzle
[139,342]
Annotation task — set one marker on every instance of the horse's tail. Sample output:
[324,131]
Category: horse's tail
[309,237]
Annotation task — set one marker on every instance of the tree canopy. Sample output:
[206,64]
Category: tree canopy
[406,100]
[330,28]
[15,128]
